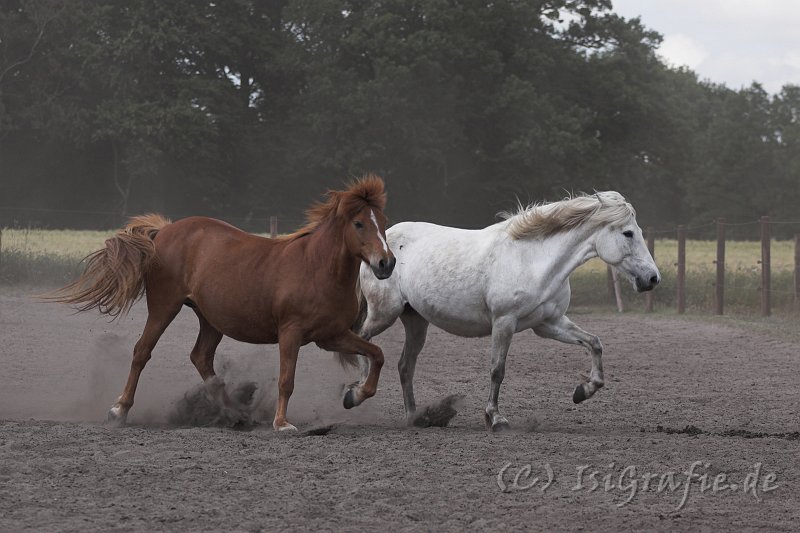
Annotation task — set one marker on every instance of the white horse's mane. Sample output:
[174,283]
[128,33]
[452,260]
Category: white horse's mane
[546,219]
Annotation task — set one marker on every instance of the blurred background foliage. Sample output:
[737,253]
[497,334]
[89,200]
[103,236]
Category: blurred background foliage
[252,108]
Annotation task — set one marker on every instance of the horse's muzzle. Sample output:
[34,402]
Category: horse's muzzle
[383,268]
[647,283]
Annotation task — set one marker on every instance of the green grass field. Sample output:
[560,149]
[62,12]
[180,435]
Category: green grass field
[63,243]
[701,255]
[53,257]
[742,278]
[47,257]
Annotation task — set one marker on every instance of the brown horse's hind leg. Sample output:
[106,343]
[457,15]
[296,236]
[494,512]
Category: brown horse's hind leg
[204,349]
[203,359]
[157,321]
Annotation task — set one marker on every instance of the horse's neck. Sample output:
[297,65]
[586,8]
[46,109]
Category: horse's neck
[328,250]
[559,255]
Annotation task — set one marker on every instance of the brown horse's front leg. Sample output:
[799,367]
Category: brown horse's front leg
[289,342]
[352,343]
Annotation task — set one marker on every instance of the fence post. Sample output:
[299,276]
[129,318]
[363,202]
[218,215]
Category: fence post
[719,288]
[797,271]
[681,264]
[765,268]
[273,226]
[651,245]
[617,289]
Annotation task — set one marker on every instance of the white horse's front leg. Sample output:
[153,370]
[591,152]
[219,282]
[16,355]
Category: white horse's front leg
[564,330]
[502,332]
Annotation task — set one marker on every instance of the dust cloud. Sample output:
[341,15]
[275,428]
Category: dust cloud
[69,367]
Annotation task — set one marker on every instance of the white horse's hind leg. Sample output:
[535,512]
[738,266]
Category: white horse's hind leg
[416,330]
[502,332]
[564,330]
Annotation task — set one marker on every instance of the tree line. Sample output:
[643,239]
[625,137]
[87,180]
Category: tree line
[249,108]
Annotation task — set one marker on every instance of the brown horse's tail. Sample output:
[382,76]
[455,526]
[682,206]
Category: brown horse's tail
[351,359]
[113,279]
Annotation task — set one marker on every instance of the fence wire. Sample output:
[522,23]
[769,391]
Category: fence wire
[54,218]
[744,283]
[700,281]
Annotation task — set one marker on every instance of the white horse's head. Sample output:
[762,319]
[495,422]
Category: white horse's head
[620,243]
[610,220]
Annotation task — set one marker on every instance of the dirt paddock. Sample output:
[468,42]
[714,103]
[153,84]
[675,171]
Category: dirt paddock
[718,394]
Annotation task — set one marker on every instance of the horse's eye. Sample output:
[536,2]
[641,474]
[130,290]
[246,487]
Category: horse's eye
[628,234]
[358,225]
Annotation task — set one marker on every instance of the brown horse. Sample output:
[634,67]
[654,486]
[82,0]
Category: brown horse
[291,290]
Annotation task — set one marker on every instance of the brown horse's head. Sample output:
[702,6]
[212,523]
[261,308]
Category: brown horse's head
[361,209]
[365,235]
[358,213]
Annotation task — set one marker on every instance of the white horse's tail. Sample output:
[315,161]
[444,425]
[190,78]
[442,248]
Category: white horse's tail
[351,359]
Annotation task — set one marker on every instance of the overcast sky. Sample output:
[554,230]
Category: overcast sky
[727,41]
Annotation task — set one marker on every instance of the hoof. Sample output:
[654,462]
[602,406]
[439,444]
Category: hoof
[285,427]
[117,416]
[501,426]
[349,398]
[579,395]
[497,426]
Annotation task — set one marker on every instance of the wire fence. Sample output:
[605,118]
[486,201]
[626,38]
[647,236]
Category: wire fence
[740,273]
[727,265]
[54,218]
[34,249]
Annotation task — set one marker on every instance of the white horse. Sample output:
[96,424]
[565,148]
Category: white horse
[508,277]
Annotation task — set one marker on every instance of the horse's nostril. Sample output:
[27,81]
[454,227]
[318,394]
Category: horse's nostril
[382,263]
[654,280]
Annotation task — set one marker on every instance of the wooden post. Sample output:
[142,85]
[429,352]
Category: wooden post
[273,226]
[617,290]
[765,268]
[681,264]
[719,288]
[651,245]
[797,272]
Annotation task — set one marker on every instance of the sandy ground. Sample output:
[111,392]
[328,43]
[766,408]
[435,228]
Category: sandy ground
[679,391]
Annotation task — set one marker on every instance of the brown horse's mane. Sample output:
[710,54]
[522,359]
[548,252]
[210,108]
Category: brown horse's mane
[342,205]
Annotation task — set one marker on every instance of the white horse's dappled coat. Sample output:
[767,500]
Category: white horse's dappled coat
[502,279]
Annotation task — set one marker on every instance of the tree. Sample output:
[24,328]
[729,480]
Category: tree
[737,146]
[785,115]
[22,28]
[250,107]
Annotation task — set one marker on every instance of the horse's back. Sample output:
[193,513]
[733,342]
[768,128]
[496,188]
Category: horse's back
[222,271]
[191,228]
[461,280]
[244,285]
[433,244]
[192,246]
[440,273]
